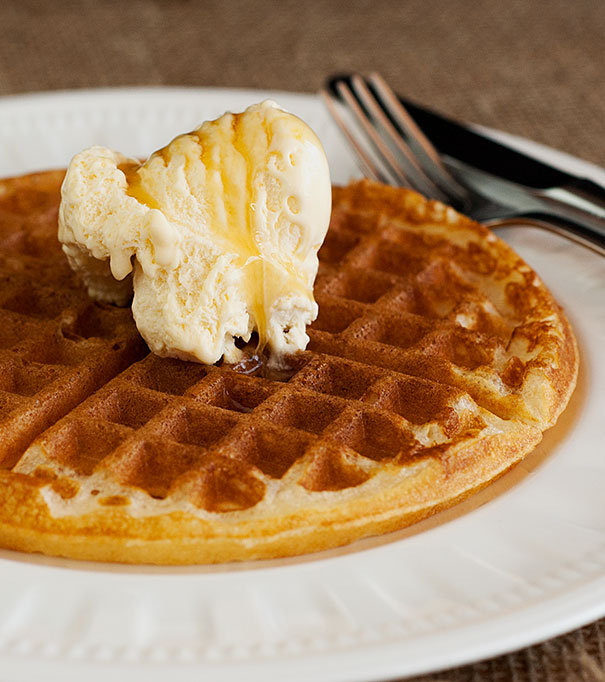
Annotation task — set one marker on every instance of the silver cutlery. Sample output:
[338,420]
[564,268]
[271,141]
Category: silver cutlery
[392,148]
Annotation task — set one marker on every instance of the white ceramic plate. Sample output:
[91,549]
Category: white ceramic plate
[520,562]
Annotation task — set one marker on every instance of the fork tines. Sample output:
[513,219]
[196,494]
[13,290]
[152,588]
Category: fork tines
[390,146]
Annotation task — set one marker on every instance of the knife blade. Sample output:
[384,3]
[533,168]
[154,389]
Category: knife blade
[477,150]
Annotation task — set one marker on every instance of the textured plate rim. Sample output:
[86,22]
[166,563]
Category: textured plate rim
[562,612]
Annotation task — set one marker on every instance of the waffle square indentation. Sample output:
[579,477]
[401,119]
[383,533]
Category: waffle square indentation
[26,378]
[97,320]
[376,437]
[16,328]
[82,444]
[330,468]
[338,377]
[335,316]
[468,348]
[272,450]
[392,258]
[355,221]
[200,426]
[39,302]
[360,285]
[336,245]
[154,464]
[420,401]
[236,392]
[441,289]
[52,348]
[166,375]
[401,331]
[305,411]
[222,484]
[129,407]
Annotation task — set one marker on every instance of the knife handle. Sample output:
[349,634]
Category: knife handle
[468,144]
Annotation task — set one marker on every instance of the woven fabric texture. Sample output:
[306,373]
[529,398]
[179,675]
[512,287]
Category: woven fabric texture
[532,68]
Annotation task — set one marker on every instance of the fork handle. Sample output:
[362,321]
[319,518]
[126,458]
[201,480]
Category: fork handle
[589,191]
[582,211]
[581,194]
[578,233]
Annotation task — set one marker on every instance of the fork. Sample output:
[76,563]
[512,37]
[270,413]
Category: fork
[392,149]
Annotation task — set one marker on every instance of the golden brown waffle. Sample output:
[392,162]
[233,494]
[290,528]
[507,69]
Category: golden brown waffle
[437,360]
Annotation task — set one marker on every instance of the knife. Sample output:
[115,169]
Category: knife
[500,172]
[466,144]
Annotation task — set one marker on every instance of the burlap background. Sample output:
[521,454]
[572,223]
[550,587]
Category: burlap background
[532,67]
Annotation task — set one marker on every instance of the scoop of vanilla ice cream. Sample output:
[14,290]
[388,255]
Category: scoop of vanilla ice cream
[217,233]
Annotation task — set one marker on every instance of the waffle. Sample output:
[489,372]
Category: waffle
[436,362]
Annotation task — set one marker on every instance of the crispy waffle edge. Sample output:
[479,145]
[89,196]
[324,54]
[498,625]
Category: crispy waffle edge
[179,537]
